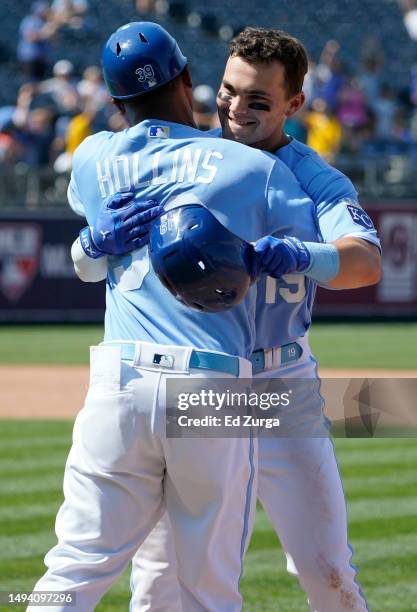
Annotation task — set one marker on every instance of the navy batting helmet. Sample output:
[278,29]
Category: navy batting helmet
[140,57]
[199,260]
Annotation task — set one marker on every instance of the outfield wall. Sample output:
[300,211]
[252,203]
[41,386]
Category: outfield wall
[396,294]
[37,278]
[38,283]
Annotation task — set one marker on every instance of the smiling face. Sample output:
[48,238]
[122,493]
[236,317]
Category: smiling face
[253,103]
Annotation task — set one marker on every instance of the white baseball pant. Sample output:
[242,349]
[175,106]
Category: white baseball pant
[301,491]
[123,470]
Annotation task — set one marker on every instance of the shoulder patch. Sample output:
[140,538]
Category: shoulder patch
[358,215]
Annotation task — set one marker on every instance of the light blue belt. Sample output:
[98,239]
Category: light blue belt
[289,352]
[201,360]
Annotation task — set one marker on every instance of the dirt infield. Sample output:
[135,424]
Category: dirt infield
[57,392]
[32,391]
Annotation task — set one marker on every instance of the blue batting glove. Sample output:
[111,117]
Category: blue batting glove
[121,226]
[278,256]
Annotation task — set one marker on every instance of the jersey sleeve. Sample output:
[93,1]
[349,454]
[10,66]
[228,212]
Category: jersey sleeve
[338,211]
[345,217]
[323,182]
[80,182]
[74,199]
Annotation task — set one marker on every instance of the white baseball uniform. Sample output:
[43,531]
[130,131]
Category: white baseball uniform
[299,483]
[122,467]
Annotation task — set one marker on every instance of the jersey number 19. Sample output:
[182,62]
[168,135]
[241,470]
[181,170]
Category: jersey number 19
[292,288]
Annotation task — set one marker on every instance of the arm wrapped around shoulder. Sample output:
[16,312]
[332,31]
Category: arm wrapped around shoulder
[87,269]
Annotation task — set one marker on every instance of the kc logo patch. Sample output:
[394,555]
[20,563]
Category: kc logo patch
[20,247]
[359,216]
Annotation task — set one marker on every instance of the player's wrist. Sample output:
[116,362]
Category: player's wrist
[88,245]
[324,263]
[301,253]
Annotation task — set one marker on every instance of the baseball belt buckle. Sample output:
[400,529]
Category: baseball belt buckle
[163,361]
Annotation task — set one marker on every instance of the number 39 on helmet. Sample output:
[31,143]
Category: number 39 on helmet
[140,57]
[199,260]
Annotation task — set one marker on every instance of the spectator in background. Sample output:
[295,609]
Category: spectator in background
[92,118]
[311,83]
[385,108]
[401,129]
[327,57]
[62,88]
[372,50]
[352,114]
[330,89]
[71,13]
[78,128]
[145,7]
[324,131]
[37,136]
[34,128]
[369,79]
[36,30]
[91,88]
[330,73]
[10,148]
[204,107]
[351,105]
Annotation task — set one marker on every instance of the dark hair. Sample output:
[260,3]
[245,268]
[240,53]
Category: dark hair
[259,45]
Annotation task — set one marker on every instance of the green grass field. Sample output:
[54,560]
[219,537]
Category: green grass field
[380,480]
[359,345]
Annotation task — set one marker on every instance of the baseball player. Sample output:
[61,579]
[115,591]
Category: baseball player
[122,466]
[299,482]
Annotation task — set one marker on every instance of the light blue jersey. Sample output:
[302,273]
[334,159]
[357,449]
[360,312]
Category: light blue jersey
[284,306]
[250,192]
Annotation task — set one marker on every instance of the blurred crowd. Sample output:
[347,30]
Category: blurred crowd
[347,111]
[56,108]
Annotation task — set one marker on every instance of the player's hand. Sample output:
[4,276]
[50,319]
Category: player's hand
[251,260]
[278,256]
[121,226]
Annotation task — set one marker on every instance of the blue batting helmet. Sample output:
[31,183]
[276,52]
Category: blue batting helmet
[140,57]
[199,260]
